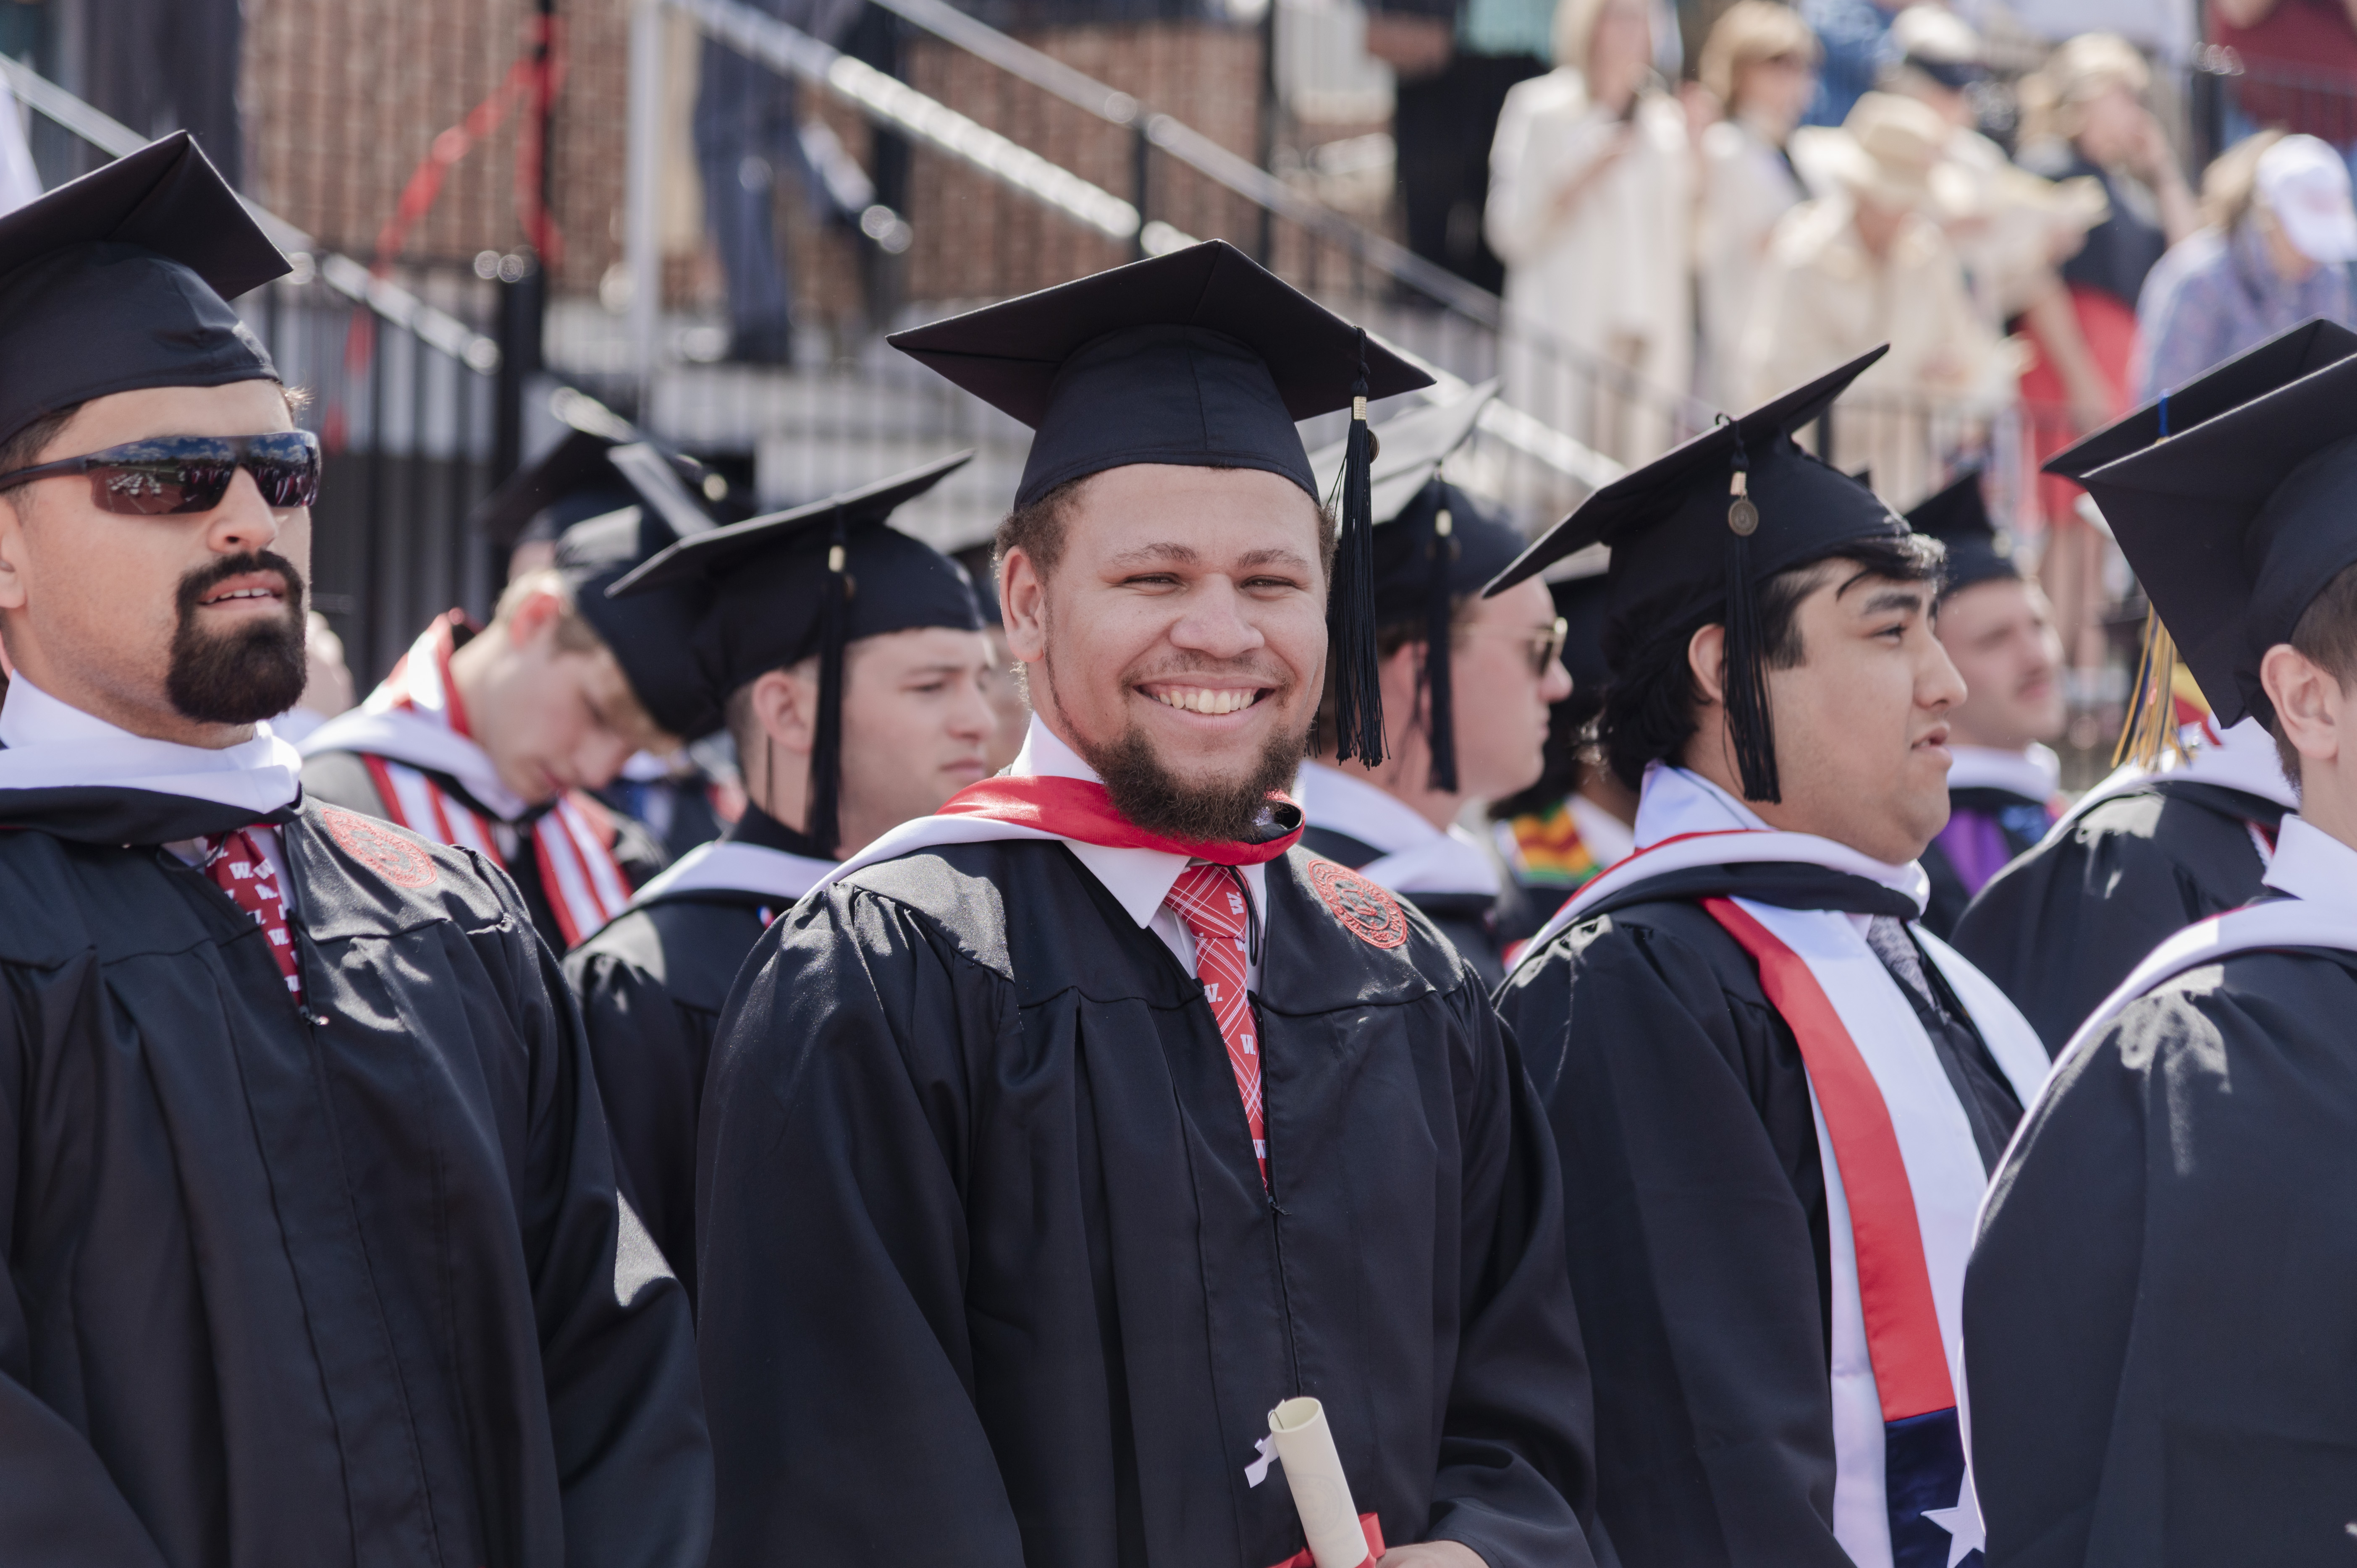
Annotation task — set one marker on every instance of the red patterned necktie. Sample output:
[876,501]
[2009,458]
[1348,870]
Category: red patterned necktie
[1209,898]
[238,869]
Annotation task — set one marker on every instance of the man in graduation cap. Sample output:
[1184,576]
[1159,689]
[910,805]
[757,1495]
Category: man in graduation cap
[679,801]
[2183,829]
[850,661]
[1776,1098]
[493,737]
[1467,682]
[315,1253]
[1999,633]
[2158,1311]
[1065,1133]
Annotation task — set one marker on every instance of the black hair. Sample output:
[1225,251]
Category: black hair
[1649,704]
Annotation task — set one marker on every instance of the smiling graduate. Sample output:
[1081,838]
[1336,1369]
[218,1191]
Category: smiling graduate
[1066,1132]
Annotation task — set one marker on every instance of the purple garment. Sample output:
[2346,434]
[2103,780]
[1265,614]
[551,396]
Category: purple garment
[1975,845]
[2212,296]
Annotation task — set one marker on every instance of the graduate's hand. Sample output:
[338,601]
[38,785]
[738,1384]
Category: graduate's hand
[1434,1554]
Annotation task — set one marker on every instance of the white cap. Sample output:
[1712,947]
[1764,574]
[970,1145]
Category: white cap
[2303,183]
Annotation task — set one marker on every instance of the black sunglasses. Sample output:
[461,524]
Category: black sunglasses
[168,475]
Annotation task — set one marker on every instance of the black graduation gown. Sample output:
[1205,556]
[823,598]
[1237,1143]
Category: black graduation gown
[2058,929]
[2021,821]
[989,1277]
[342,778]
[1470,921]
[650,986]
[343,1285]
[1694,1212]
[2158,1319]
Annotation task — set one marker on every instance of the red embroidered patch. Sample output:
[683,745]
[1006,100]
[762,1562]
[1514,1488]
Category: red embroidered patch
[379,848]
[1370,913]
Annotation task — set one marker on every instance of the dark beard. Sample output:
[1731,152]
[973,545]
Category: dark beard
[1148,793]
[246,675]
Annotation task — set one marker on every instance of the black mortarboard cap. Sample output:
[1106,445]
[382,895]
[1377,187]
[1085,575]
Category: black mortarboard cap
[1699,529]
[121,280]
[1202,358]
[1433,544]
[652,636]
[573,480]
[812,580]
[2286,357]
[2235,525]
[1978,550]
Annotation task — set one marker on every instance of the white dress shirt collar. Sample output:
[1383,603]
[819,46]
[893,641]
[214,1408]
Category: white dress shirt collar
[1417,857]
[2313,865]
[1677,801]
[52,744]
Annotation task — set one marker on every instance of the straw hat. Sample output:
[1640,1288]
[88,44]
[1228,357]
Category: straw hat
[1889,153]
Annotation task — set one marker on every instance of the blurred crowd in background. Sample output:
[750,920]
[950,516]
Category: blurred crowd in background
[1717,202]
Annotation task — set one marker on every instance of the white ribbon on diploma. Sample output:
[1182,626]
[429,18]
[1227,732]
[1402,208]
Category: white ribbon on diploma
[1321,1494]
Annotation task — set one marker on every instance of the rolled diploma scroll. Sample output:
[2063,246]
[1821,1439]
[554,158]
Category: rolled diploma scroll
[1321,1494]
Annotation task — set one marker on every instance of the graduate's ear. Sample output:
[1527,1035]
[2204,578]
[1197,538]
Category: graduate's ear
[1023,599]
[785,708]
[1707,660]
[535,615]
[2313,710]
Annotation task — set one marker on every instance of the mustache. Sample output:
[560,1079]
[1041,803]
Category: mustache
[198,584]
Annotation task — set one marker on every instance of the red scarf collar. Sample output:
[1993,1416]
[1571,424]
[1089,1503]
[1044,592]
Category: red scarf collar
[1081,809]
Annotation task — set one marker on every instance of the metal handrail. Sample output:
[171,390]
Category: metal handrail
[1198,151]
[438,328]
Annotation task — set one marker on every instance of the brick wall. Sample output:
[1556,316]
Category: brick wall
[345,97]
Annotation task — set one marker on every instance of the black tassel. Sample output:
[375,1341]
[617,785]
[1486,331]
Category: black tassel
[1439,559]
[823,826]
[1746,676]
[1350,607]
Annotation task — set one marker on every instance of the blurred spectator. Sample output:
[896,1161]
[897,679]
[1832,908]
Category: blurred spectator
[2299,64]
[1453,62]
[2084,115]
[2277,231]
[1591,207]
[748,140]
[1855,35]
[1759,63]
[2010,227]
[1868,264]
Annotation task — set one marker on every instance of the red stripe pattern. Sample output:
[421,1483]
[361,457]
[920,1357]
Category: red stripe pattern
[1210,900]
[1894,1287]
[237,866]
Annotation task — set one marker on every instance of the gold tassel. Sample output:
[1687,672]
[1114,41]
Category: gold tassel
[2151,727]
